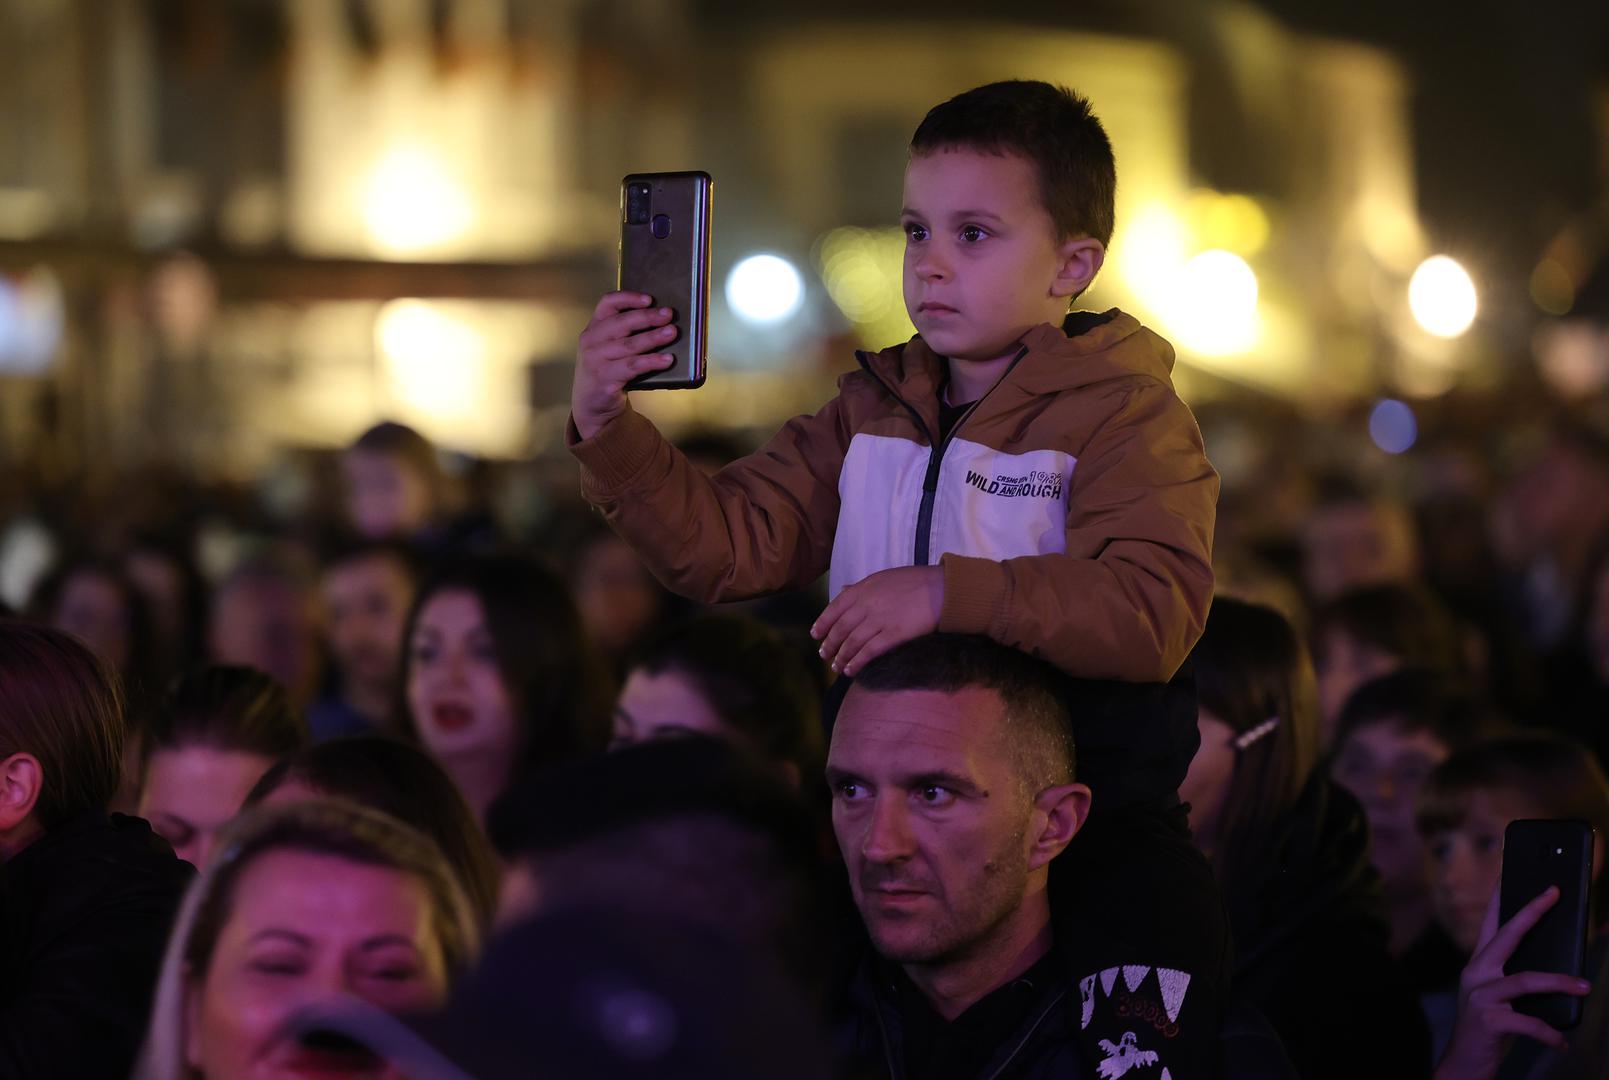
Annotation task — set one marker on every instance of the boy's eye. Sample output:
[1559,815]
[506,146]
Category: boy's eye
[914,231]
[972,234]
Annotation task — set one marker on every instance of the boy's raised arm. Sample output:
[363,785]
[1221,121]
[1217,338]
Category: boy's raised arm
[1129,598]
[761,524]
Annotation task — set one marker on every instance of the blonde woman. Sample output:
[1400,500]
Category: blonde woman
[305,903]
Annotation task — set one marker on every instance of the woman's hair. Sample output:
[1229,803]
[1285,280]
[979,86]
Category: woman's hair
[228,707]
[1415,700]
[406,783]
[1253,673]
[62,704]
[755,680]
[559,687]
[1405,622]
[323,827]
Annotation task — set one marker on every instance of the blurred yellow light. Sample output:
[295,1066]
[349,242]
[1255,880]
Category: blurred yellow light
[1552,287]
[863,270]
[1214,307]
[433,359]
[1234,223]
[1149,254]
[1442,297]
[412,204]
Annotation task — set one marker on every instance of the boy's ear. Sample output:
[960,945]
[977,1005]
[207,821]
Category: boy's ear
[1081,259]
[21,779]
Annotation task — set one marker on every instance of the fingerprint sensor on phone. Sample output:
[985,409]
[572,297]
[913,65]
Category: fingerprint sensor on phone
[660,226]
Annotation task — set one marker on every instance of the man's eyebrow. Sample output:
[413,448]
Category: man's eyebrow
[943,778]
[280,932]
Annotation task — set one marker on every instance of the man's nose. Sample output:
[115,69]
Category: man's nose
[888,834]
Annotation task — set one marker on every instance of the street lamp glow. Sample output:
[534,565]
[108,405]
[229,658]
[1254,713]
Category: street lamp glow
[1214,307]
[1441,296]
[764,289]
[412,204]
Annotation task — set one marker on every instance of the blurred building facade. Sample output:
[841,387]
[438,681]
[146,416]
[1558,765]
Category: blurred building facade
[225,227]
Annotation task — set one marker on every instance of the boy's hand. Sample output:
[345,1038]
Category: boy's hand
[872,616]
[617,346]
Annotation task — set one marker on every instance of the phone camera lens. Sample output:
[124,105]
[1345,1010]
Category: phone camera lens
[637,204]
[1558,851]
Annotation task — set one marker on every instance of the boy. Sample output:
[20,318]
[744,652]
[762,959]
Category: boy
[1012,471]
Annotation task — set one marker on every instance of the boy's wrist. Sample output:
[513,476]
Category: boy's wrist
[616,454]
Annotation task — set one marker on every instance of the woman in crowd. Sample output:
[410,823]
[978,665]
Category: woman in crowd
[402,781]
[1467,804]
[311,902]
[498,677]
[1393,732]
[1290,852]
[730,677]
[216,733]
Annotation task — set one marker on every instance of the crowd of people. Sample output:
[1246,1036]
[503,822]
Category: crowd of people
[1074,793]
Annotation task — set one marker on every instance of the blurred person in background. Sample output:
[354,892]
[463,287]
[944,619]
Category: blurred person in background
[1468,802]
[1353,539]
[1291,852]
[265,615]
[620,602]
[398,779]
[367,590]
[498,677]
[393,483]
[730,677]
[1374,631]
[176,596]
[219,729]
[314,902]
[1393,732]
[86,899]
[697,829]
[95,602]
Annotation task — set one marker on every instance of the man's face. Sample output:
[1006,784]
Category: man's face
[366,602]
[981,252]
[1385,766]
[933,819]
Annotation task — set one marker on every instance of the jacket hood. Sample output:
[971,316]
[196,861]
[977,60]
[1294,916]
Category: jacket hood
[1088,348]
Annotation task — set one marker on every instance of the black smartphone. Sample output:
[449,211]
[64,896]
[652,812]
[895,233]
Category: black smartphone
[1537,854]
[665,252]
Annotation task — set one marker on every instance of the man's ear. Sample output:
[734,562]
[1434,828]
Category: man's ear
[1066,808]
[1081,259]
[21,780]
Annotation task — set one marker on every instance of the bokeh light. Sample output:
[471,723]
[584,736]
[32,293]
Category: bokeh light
[1441,296]
[433,358]
[764,289]
[412,205]
[1214,306]
[1392,426]
[862,269]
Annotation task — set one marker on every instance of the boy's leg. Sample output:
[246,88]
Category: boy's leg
[1142,925]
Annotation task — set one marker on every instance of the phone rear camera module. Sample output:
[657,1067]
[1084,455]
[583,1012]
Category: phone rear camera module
[638,204]
[660,226]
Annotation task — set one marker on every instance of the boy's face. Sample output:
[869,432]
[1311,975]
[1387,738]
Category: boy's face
[1466,862]
[982,260]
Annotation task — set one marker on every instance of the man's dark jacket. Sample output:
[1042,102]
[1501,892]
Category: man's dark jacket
[84,916]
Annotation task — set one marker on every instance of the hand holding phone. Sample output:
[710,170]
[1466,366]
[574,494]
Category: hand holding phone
[1537,856]
[625,339]
[1488,1020]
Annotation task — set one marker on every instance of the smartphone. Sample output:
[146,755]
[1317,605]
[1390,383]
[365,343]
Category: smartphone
[665,252]
[1537,854]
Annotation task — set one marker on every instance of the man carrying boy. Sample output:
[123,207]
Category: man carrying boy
[1012,471]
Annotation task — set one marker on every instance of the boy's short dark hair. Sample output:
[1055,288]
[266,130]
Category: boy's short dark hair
[1559,777]
[1053,128]
[1416,700]
[1033,693]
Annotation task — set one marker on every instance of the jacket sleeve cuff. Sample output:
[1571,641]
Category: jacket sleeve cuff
[614,457]
[976,594]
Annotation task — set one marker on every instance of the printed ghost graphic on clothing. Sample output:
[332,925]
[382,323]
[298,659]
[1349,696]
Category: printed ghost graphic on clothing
[1122,1057]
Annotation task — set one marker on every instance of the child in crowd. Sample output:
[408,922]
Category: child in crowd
[1394,731]
[1467,803]
[1015,470]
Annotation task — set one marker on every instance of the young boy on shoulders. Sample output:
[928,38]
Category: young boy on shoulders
[1014,471]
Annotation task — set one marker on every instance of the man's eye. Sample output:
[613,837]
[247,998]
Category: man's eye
[972,234]
[934,795]
[848,789]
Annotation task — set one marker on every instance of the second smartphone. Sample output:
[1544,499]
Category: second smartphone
[1536,855]
[665,252]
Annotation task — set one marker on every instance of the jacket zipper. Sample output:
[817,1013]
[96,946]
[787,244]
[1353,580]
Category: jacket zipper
[1022,1042]
[935,458]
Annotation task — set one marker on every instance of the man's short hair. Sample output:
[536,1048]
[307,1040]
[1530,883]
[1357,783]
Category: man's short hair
[1416,700]
[1037,720]
[345,550]
[62,704]
[1053,128]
